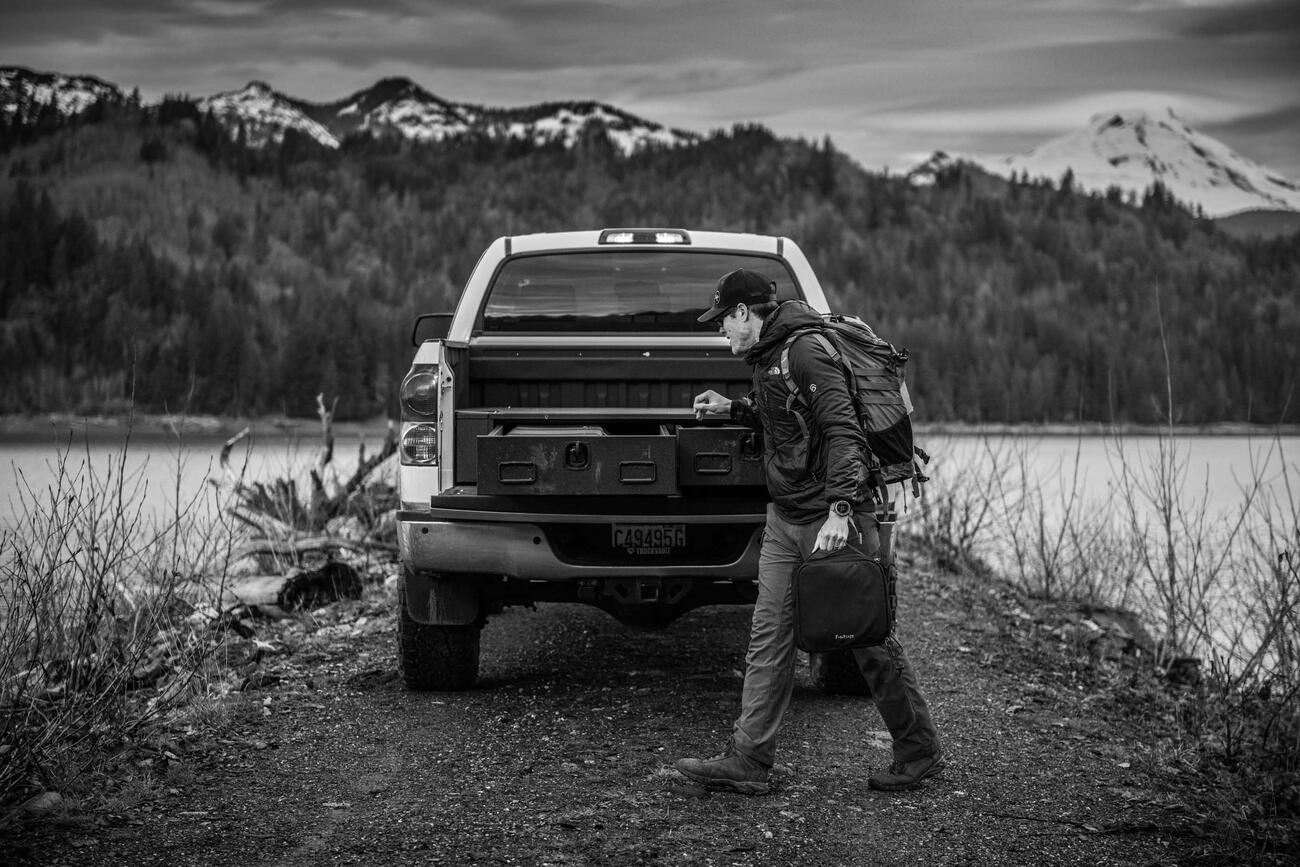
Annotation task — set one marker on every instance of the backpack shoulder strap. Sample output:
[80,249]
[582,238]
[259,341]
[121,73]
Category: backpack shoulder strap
[831,349]
[820,335]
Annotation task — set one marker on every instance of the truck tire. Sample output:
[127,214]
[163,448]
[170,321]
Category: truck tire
[837,673]
[443,658]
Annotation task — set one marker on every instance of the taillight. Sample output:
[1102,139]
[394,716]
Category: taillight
[420,444]
[420,394]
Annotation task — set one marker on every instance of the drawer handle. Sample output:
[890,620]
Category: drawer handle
[712,463]
[636,472]
[516,472]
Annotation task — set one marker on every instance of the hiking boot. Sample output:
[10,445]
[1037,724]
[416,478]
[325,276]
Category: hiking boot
[905,775]
[727,770]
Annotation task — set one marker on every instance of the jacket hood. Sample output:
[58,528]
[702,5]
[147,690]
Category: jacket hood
[789,317]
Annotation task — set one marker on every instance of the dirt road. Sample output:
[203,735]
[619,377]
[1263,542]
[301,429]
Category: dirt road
[563,756]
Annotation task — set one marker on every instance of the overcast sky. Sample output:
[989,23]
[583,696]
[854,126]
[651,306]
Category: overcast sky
[888,80]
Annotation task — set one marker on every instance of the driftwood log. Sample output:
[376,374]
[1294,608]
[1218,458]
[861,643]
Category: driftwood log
[298,548]
[297,589]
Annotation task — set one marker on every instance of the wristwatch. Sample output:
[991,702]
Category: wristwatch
[843,508]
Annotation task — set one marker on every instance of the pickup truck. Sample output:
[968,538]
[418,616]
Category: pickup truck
[548,449]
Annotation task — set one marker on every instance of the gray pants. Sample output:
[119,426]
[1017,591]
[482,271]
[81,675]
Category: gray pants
[770,662]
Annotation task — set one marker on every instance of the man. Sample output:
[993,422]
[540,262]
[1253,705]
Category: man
[818,503]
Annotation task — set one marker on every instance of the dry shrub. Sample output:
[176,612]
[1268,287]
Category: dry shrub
[1221,589]
[99,635]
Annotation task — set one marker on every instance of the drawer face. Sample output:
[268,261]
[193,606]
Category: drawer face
[576,463]
[719,456]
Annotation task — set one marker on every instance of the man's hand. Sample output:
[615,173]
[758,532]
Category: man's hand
[710,403]
[834,534]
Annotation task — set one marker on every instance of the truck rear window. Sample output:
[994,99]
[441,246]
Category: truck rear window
[618,290]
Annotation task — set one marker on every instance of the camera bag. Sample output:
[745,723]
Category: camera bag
[841,601]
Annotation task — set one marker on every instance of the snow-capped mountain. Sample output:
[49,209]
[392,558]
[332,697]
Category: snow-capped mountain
[395,105]
[23,92]
[265,115]
[1134,149]
[399,106]
[568,122]
[392,106]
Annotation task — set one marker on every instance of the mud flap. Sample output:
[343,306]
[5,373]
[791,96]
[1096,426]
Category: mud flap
[442,600]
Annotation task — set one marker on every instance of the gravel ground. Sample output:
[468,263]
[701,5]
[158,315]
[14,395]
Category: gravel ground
[564,753]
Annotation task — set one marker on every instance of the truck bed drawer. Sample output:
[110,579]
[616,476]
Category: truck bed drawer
[574,462]
[719,456]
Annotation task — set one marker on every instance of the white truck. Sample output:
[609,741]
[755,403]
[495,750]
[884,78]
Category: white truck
[548,448]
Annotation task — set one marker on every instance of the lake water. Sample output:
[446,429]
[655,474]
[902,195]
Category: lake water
[1209,486]
[1066,474]
[1219,471]
[159,470]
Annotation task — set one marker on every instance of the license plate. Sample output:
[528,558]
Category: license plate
[649,538]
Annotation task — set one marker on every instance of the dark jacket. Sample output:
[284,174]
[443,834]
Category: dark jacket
[805,473]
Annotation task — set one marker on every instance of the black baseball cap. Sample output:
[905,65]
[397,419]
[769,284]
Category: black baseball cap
[739,287]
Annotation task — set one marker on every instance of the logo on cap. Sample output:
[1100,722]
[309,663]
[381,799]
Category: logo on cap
[739,287]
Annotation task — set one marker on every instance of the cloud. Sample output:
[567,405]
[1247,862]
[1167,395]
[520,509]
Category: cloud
[1268,137]
[1273,19]
[226,8]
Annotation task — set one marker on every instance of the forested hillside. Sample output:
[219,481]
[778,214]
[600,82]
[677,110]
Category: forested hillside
[147,256]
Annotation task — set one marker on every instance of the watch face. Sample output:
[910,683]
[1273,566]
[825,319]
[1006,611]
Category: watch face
[842,508]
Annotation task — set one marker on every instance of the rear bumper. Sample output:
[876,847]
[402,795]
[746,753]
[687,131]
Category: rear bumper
[522,546]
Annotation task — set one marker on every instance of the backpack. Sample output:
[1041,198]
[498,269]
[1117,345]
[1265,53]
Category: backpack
[875,372]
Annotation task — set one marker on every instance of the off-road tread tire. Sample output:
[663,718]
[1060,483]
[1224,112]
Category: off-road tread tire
[837,673]
[438,658]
